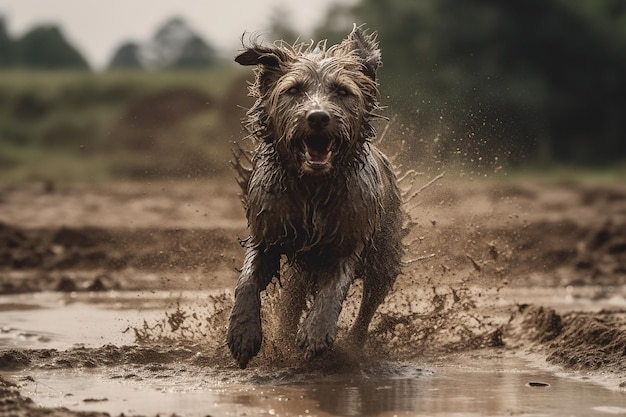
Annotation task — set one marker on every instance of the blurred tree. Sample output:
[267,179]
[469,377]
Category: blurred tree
[45,47]
[582,66]
[606,14]
[195,53]
[7,48]
[496,77]
[126,57]
[174,45]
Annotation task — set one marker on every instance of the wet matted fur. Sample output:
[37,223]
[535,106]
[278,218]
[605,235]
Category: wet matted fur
[318,191]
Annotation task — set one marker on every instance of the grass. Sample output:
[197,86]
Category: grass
[37,164]
[215,82]
[78,126]
[557,173]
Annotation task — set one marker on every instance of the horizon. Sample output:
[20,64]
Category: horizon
[86,26]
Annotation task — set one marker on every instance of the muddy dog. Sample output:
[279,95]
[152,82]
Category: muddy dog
[318,191]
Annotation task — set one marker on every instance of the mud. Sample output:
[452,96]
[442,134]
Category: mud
[126,288]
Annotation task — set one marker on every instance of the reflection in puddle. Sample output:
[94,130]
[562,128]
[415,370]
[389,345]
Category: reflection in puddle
[62,320]
[500,387]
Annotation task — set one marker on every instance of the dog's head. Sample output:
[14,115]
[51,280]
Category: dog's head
[315,104]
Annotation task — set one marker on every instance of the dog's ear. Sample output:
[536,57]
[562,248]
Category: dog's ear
[365,46]
[268,57]
[271,63]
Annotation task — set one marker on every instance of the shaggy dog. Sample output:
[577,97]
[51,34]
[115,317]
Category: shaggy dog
[318,191]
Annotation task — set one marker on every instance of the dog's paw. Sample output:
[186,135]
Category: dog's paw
[244,338]
[314,340]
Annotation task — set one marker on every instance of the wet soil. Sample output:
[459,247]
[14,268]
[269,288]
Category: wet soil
[132,284]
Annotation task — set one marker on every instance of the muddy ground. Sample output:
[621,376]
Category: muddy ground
[492,266]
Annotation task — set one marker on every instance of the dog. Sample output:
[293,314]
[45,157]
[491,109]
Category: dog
[319,193]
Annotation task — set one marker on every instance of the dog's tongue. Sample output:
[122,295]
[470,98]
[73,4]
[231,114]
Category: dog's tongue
[317,156]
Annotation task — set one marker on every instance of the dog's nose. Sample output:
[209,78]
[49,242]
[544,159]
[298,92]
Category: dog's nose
[318,119]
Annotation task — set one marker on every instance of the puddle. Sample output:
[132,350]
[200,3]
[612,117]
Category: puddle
[506,386]
[498,382]
[59,320]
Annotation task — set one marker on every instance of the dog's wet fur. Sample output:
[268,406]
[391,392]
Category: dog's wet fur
[318,193]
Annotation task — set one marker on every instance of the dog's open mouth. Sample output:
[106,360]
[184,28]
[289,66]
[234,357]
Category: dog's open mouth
[317,151]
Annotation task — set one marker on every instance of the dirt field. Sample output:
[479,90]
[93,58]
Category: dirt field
[494,268]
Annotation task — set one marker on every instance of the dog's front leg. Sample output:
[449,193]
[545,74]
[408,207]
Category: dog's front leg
[319,328]
[244,331]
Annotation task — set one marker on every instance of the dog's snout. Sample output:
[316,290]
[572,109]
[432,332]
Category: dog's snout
[318,119]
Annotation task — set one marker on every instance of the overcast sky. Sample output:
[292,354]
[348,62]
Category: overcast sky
[97,27]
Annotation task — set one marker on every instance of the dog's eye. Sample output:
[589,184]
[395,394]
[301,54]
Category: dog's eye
[342,92]
[293,91]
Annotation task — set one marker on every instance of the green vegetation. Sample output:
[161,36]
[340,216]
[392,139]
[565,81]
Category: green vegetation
[534,80]
[472,86]
[175,45]
[61,122]
[43,47]
[83,126]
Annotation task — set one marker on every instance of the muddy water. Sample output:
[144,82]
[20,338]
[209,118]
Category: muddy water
[495,387]
[178,376]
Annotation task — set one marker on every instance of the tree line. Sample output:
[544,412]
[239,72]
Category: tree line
[174,45]
[543,80]
[43,47]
